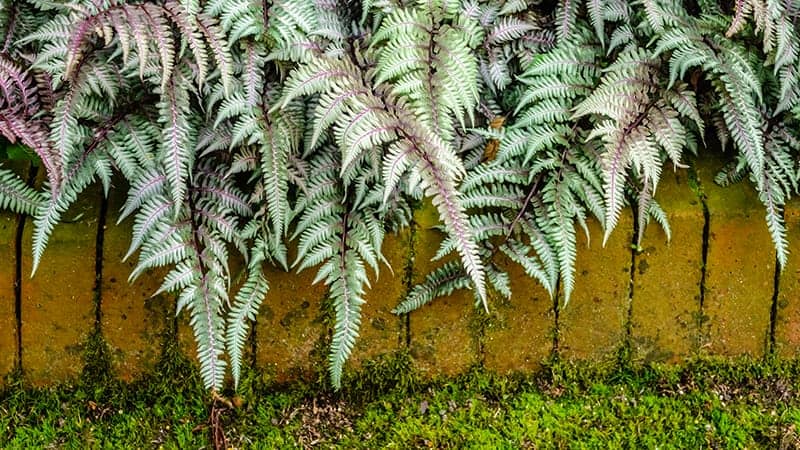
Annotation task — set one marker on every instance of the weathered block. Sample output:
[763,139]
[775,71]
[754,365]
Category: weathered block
[442,342]
[666,296]
[132,322]
[8,320]
[58,302]
[381,331]
[787,324]
[520,335]
[740,267]
[8,272]
[187,343]
[290,325]
[592,325]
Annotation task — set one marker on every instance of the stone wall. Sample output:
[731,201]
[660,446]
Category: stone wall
[713,289]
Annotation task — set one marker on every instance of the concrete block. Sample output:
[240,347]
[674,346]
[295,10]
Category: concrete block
[58,302]
[740,267]
[787,324]
[133,322]
[592,325]
[666,296]
[442,341]
[520,335]
[290,325]
[381,331]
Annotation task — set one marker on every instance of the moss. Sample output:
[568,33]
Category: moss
[96,360]
[389,372]
[742,403]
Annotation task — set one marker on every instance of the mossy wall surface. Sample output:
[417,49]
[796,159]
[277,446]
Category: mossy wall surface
[713,289]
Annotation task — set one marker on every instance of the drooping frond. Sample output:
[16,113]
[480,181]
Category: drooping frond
[244,310]
[195,244]
[368,122]
[442,281]
[428,54]
[19,105]
[779,183]
[733,78]
[178,136]
[340,238]
[16,195]
[637,133]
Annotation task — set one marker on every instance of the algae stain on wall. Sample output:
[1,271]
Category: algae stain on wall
[382,332]
[290,324]
[519,338]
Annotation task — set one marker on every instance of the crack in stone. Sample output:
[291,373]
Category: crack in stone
[626,349]
[773,310]
[98,265]
[697,187]
[556,324]
[20,229]
[408,282]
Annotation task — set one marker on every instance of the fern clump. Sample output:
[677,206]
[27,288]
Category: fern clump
[243,128]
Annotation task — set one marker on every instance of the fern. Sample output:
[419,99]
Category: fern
[16,195]
[520,121]
[635,133]
[244,309]
[339,236]
[372,122]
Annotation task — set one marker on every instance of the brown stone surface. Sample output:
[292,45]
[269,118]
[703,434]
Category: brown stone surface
[185,335]
[520,335]
[740,268]
[787,324]
[592,325]
[290,325]
[133,322]
[381,331]
[8,261]
[442,342]
[58,302]
[666,297]
[8,322]
[58,311]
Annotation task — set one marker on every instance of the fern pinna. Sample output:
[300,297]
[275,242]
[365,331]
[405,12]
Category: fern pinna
[241,131]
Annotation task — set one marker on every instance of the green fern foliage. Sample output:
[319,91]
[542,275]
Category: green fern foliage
[242,129]
[16,195]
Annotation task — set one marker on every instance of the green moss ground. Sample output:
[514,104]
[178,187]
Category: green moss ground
[701,404]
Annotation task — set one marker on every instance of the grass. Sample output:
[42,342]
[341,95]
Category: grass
[703,403]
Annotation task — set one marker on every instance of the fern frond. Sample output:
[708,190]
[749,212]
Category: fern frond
[49,212]
[16,195]
[244,309]
[441,282]
[346,277]
[178,134]
[566,16]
